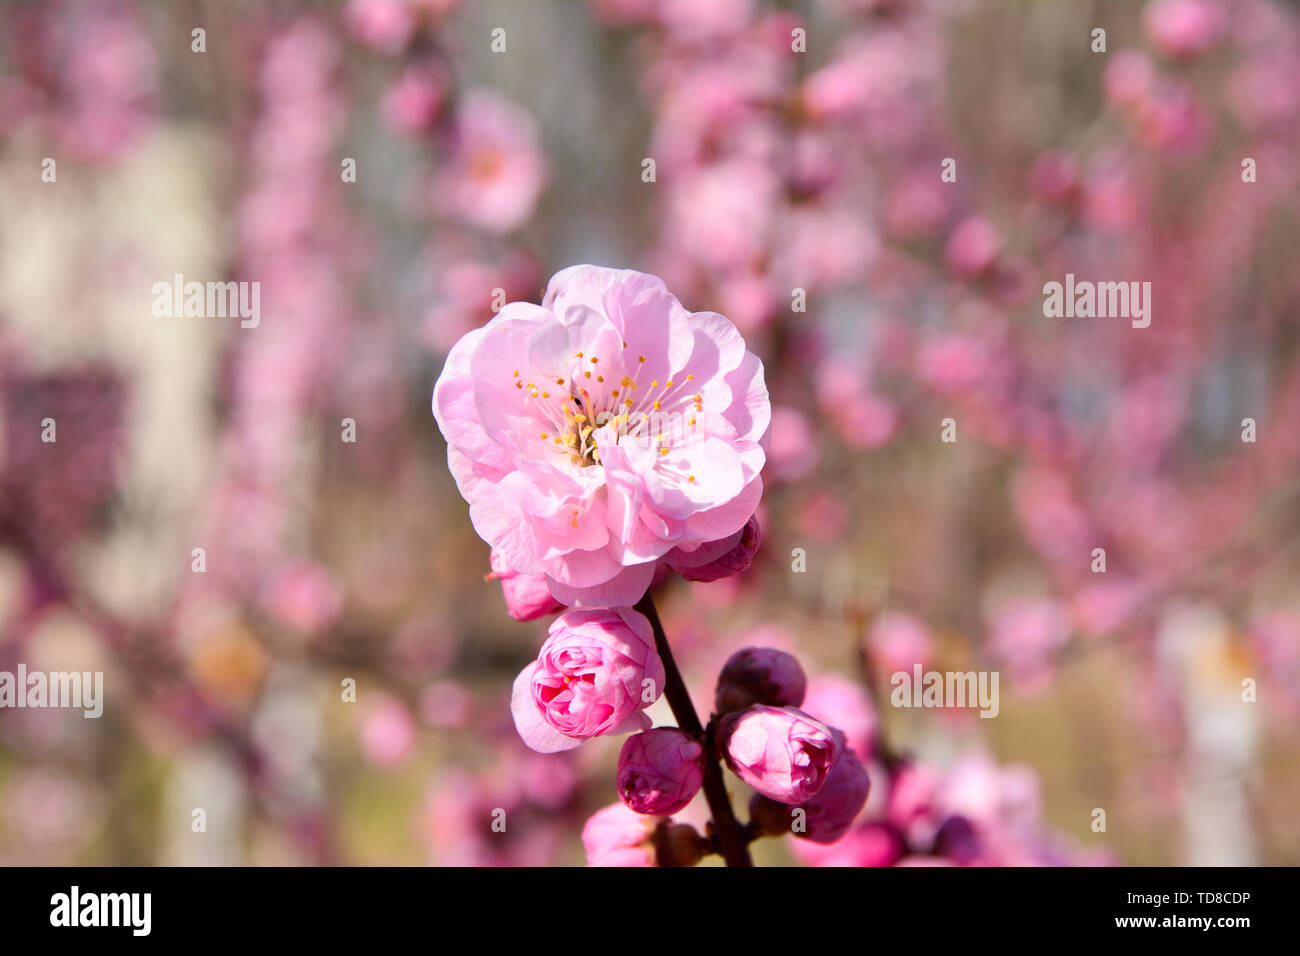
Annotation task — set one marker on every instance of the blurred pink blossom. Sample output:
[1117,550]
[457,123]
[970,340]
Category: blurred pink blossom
[496,168]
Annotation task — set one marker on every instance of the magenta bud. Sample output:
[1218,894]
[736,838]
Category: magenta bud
[678,844]
[719,559]
[957,840]
[527,596]
[660,770]
[760,675]
[781,752]
[832,811]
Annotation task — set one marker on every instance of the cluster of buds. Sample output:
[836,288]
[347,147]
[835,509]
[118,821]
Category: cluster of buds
[600,668]
[808,781]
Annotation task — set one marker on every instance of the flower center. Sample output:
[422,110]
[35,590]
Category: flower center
[485,165]
[660,414]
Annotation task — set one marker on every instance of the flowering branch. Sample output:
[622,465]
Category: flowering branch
[731,838]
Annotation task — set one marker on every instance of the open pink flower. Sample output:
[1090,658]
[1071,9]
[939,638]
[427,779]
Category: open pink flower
[594,433]
[589,679]
[496,169]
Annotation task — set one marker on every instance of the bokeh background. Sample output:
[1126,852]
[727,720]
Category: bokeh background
[775,170]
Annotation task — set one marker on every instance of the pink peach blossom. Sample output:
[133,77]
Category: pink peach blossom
[1184,27]
[384,25]
[303,596]
[497,168]
[388,734]
[547,414]
[872,844]
[973,247]
[411,103]
[1129,77]
[793,452]
[896,641]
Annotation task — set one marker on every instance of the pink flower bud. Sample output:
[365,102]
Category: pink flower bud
[781,752]
[527,596]
[793,451]
[837,804]
[957,840]
[410,105]
[872,844]
[845,705]
[385,25]
[973,247]
[388,734]
[760,675]
[718,559]
[1055,177]
[1129,77]
[617,836]
[594,675]
[911,795]
[660,770]
[896,641]
[1184,27]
